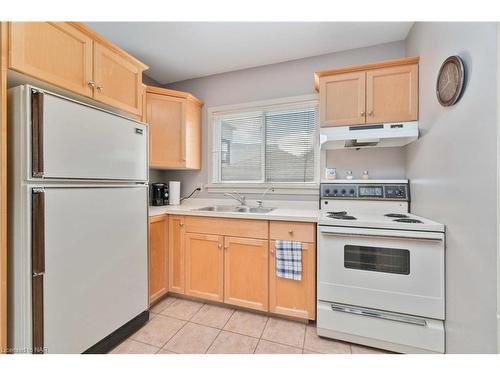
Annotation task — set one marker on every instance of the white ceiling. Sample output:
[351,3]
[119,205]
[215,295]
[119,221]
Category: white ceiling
[176,51]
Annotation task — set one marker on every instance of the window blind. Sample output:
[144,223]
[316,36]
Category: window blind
[290,137]
[275,144]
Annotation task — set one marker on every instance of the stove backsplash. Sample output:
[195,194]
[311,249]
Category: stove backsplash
[381,163]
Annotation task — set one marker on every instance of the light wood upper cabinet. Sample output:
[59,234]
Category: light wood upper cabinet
[392,94]
[118,81]
[205,266]
[54,52]
[373,93]
[158,257]
[176,253]
[343,99]
[246,275]
[72,56]
[165,114]
[174,120]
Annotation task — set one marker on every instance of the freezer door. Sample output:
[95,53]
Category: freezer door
[96,276]
[70,140]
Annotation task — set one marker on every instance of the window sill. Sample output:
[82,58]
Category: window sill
[279,189]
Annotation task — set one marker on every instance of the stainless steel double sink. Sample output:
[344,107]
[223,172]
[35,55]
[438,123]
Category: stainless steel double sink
[242,209]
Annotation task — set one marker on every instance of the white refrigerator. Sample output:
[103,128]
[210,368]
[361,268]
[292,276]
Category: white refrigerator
[78,206]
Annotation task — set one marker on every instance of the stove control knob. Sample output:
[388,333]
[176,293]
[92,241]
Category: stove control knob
[335,192]
[327,192]
[352,192]
[343,191]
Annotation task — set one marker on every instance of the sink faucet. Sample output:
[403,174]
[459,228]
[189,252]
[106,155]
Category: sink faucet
[260,201]
[237,196]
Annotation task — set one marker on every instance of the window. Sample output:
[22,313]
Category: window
[266,144]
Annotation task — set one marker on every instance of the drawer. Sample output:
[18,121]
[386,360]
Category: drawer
[227,227]
[293,231]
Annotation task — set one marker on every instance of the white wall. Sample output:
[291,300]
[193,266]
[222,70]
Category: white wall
[286,79]
[453,173]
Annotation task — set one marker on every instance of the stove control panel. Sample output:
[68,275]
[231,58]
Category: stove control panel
[368,191]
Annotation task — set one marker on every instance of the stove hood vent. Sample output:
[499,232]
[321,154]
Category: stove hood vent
[395,134]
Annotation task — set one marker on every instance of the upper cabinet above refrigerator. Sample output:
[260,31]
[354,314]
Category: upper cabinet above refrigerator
[373,93]
[71,56]
[66,140]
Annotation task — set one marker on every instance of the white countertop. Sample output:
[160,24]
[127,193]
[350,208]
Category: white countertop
[285,210]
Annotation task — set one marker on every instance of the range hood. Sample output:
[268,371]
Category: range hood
[394,134]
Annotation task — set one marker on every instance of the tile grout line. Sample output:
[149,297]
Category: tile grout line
[176,332]
[260,338]
[225,324]
[134,340]
[305,335]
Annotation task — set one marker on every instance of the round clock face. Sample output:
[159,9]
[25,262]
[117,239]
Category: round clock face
[450,81]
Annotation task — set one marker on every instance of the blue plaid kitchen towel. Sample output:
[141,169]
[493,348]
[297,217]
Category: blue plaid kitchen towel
[289,259]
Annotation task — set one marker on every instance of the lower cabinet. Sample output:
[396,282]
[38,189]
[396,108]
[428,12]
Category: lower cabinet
[246,275]
[158,257]
[294,297]
[204,266]
[232,261]
[176,249]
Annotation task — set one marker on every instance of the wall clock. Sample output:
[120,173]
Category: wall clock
[450,81]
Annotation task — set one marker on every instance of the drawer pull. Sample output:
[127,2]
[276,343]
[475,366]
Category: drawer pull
[220,246]
[290,232]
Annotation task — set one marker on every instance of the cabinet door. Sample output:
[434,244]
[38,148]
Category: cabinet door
[158,257]
[392,94]
[294,297]
[165,116]
[118,80]
[53,52]
[342,99]
[176,234]
[205,266]
[192,151]
[246,277]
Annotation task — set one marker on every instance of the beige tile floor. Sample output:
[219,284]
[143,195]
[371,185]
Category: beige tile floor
[179,326]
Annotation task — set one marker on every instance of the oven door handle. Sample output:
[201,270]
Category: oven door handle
[410,236]
[379,314]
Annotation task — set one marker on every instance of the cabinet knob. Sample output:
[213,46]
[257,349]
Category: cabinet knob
[100,88]
[272,250]
[370,113]
[290,232]
[181,224]
[91,83]
[226,247]
[220,246]
[363,114]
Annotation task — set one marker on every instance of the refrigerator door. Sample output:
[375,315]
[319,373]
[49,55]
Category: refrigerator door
[71,140]
[96,270]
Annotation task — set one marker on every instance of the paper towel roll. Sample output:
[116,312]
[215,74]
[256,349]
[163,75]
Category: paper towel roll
[174,192]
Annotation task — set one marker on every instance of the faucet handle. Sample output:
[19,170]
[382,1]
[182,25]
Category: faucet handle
[260,203]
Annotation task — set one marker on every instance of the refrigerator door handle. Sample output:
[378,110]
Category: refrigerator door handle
[38,266]
[37,164]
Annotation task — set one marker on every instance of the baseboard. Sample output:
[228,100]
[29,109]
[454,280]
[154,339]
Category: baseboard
[115,338]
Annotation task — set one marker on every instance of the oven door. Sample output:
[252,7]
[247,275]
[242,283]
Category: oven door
[401,271]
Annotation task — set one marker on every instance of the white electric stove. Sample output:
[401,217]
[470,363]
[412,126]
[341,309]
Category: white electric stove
[380,268]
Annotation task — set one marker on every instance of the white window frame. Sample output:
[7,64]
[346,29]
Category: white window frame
[304,188]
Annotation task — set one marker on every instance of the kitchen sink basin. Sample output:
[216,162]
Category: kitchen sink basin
[218,208]
[243,209]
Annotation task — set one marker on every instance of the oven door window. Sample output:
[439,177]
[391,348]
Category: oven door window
[377,259]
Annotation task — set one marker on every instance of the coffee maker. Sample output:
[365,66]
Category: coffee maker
[159,194]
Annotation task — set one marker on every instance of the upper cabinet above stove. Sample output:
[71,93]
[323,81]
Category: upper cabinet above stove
[374,93]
